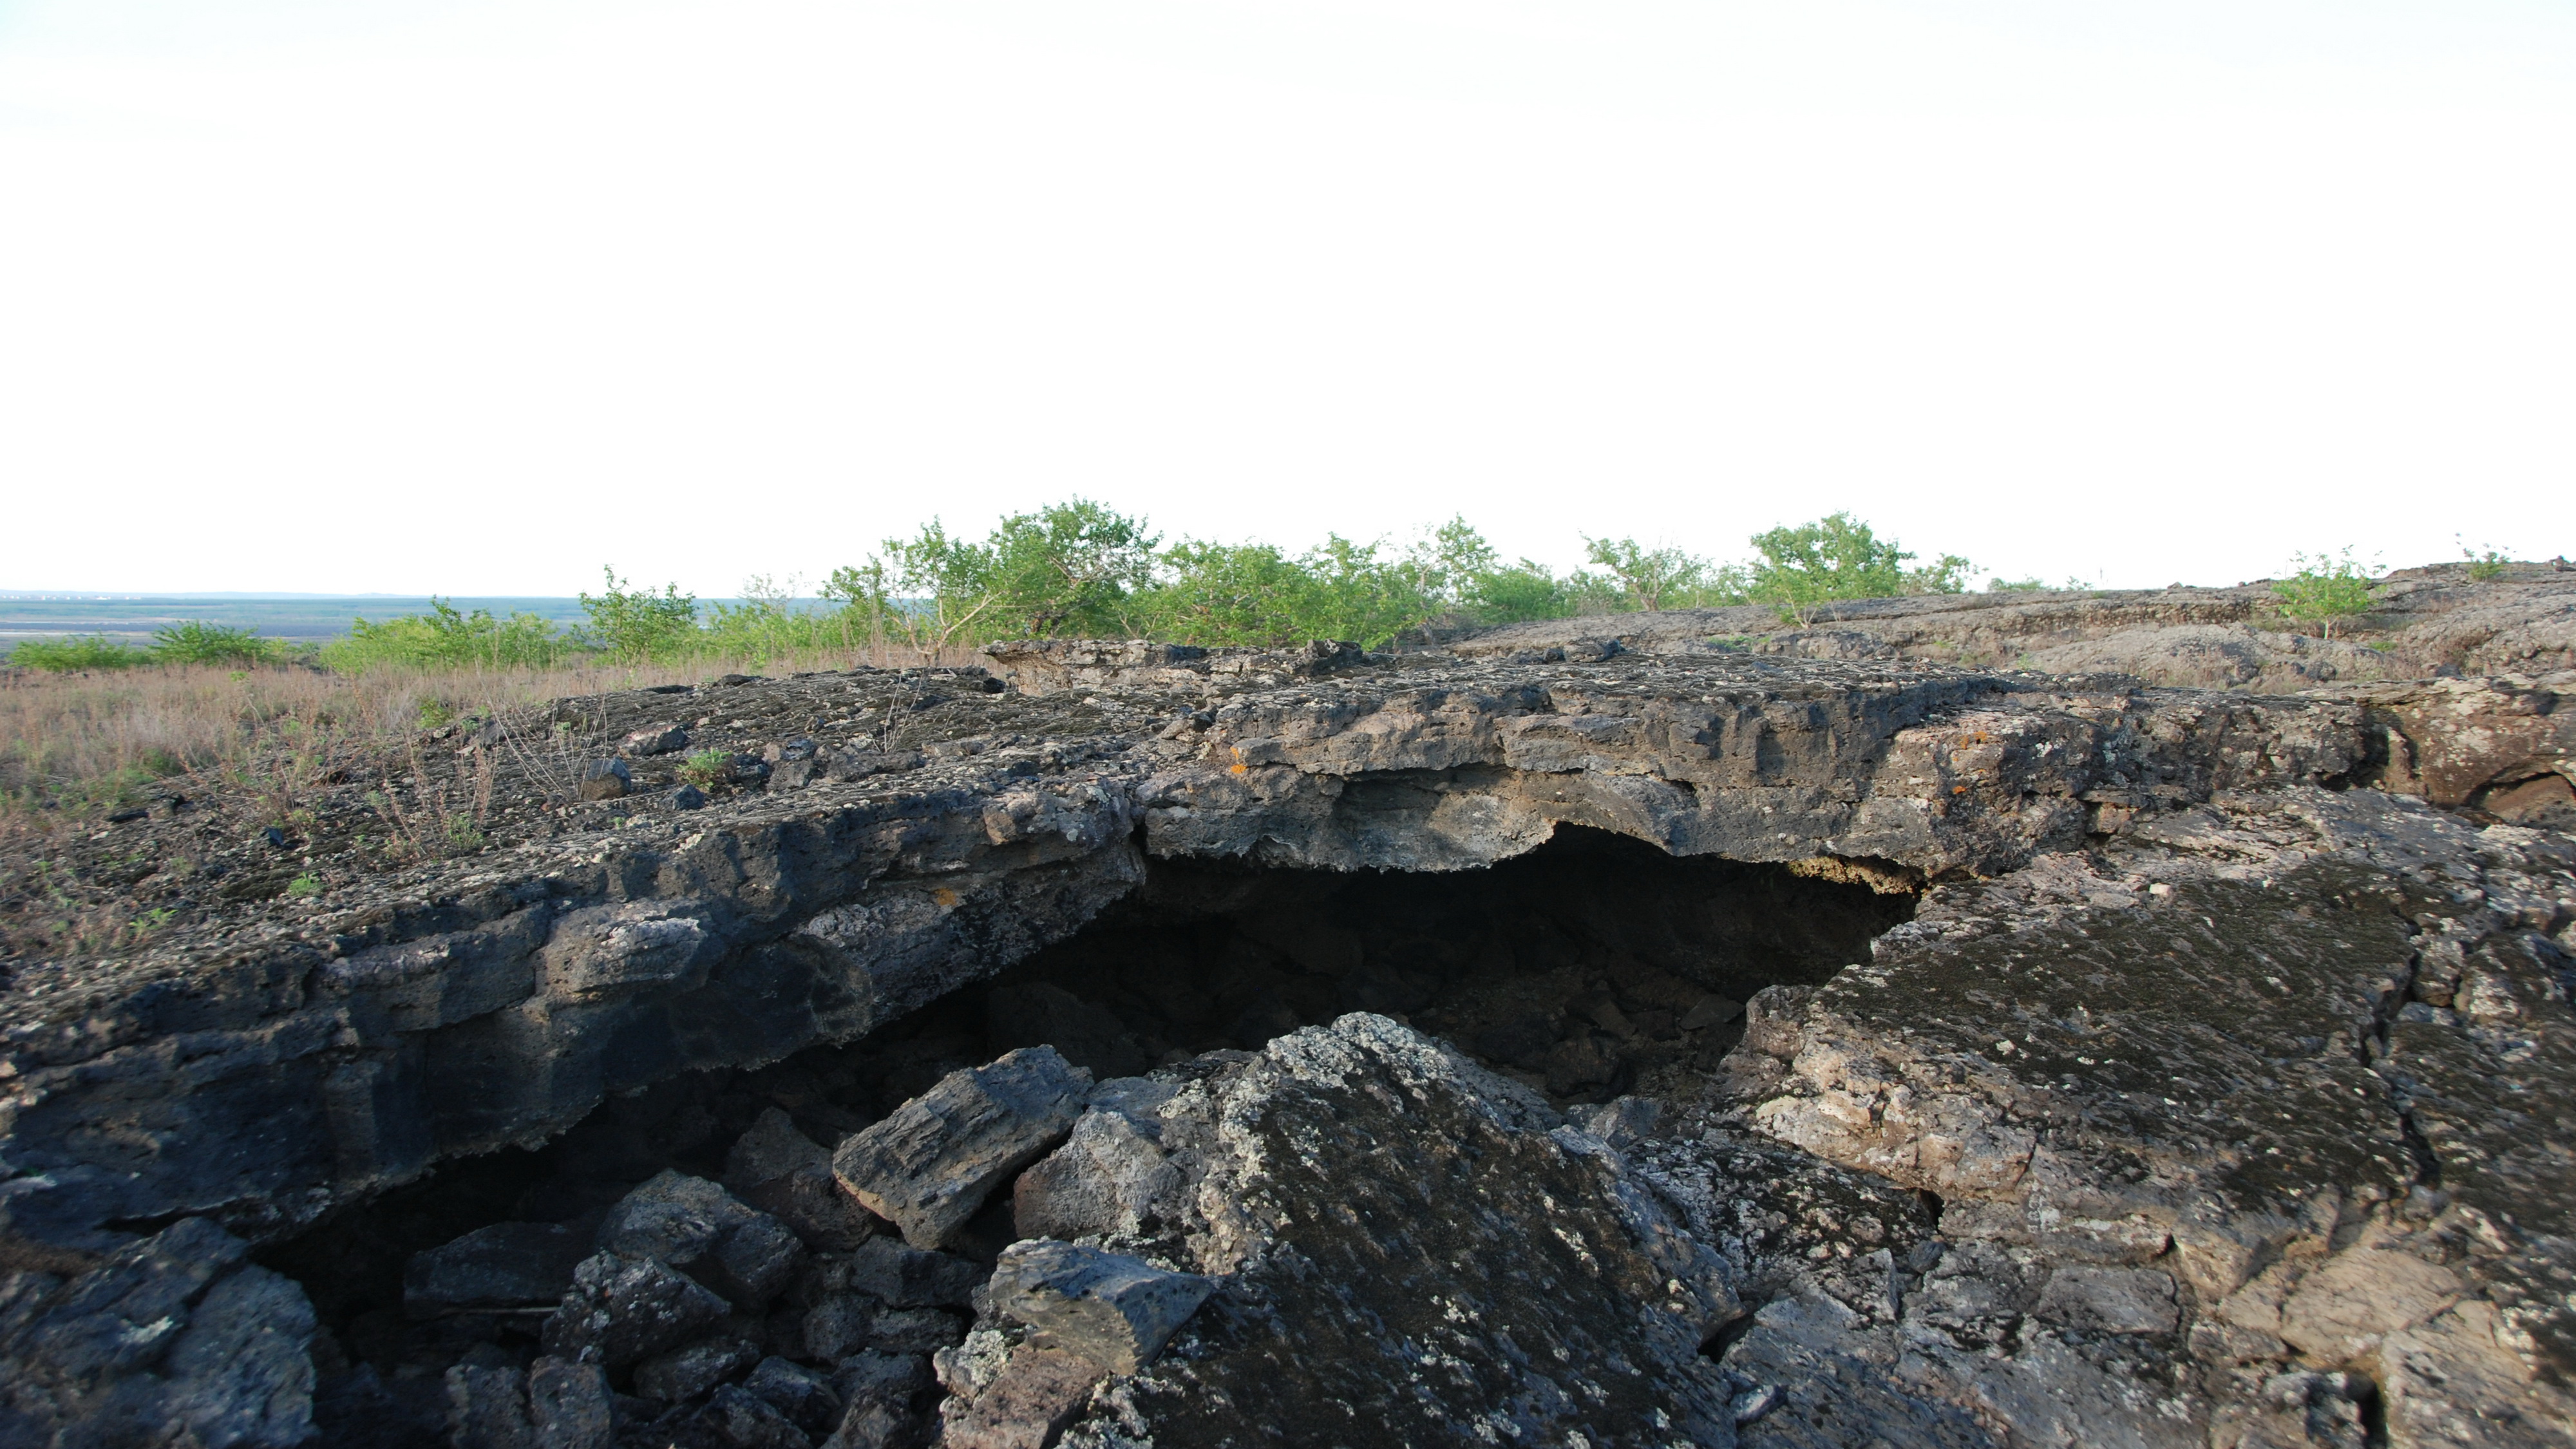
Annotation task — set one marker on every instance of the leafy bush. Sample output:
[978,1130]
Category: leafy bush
[79,652]
[1838,557]
[2483,565]
[1651,579]
[196,641]
[1080,569]
[2325,591]
[638,624]
[447,638]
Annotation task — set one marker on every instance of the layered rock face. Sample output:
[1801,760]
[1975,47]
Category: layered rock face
[2216,1092]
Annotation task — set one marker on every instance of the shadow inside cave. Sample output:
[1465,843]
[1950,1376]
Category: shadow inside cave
[1592,966]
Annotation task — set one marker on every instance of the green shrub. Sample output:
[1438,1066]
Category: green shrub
[447,638]
[2325,591]
[197,641]
[1648,579]
[638,624]
[2483,565]
[1838,557]
[707,768]
[79,652]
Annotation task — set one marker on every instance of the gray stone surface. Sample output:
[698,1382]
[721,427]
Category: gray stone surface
[170,1339]
[570,1406]
[696,1226]
[929,1166]
[1407,1242]
[1116,1310]
[624,1309]
[781,1171]
[910,1277]
[1101,1181]
[503,1266]
[691,1370]
[2217,1093]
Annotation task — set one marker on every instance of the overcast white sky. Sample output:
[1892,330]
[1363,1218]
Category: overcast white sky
[474,297]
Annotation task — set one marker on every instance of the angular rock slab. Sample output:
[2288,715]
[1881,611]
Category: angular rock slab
[1117,1311]
[1415,1255]
[930,1165]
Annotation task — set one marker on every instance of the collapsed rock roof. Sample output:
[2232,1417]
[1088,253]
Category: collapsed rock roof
[2220,1087]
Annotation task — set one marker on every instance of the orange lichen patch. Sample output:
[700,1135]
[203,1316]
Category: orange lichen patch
[946,898]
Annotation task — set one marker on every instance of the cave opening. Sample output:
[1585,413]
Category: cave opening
[1592,967]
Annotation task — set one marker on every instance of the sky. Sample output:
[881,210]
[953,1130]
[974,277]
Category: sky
[478,297]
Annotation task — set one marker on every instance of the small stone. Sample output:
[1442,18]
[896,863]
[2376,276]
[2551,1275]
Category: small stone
[1104,1180]
[910,1277]
[624,1309]
[803,1395]
[930,1165]
[1622,1123]
[504,1266]
[570,1406]
[914,1330]
[781,1171]
[871,1426]
[688,1372]
[1116,1310]
[487,1408]
[697,1227]
[838,1325]
[688,797]
[1755,1402]
[1711,1011]
[606,780]
[663,738]
[890,1378]
[736,1418]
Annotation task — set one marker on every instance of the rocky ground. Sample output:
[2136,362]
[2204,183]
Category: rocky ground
[1682,1036]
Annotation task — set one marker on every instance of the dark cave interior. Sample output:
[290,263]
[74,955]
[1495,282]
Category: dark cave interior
[1593,966]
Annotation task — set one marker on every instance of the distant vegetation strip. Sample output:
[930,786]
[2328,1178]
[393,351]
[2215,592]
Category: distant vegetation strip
[1081,569]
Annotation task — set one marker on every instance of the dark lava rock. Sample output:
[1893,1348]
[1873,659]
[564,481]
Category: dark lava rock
[930,1165]
[504,1266]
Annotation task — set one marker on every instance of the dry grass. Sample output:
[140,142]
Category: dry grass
[74,747]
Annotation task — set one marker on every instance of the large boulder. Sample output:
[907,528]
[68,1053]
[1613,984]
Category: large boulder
[1403,1243]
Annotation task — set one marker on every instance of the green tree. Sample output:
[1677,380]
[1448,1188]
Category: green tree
[1068,567]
